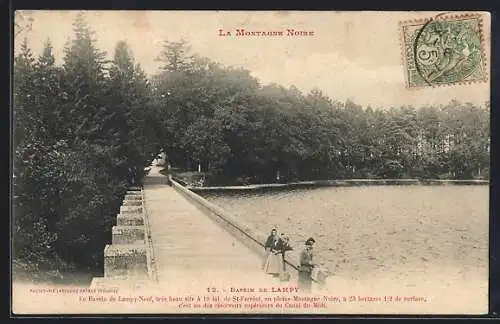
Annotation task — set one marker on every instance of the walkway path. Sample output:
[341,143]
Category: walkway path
[187,241]
[192,252]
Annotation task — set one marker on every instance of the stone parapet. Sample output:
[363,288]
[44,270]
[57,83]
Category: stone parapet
[244,232]
[133,219]
[133,197]
[131,210]
[129,255]
[132,192]
[125,260]
[132,203]
[128,234]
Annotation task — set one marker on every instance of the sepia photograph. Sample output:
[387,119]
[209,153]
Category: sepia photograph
[250,162]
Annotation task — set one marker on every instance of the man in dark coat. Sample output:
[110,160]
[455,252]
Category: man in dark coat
[306,266]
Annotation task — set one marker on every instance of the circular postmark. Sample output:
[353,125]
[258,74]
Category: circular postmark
[447,50]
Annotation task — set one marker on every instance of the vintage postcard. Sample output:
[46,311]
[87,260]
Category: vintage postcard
[231,162]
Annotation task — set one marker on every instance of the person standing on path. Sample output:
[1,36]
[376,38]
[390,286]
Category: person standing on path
[284,246]
[273,262]
[306,266]
[268,245]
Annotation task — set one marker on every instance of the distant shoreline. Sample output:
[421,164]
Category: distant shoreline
[342,183]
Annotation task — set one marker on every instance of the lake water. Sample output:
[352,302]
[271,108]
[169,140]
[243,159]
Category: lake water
[434,235]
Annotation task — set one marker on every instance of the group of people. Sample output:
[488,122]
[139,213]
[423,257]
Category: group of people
[274,263]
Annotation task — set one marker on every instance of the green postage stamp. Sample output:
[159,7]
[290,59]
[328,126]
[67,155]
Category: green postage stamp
[444,50]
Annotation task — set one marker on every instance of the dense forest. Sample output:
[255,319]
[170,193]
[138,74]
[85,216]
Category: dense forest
[242,132]
[81,138]
[85,130]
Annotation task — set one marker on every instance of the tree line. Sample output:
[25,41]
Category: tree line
[81,138]
[239,131]
[85,130]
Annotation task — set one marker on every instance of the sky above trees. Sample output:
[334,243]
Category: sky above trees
[352,55]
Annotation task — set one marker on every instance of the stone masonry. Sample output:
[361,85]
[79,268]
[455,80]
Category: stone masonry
[127,255]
